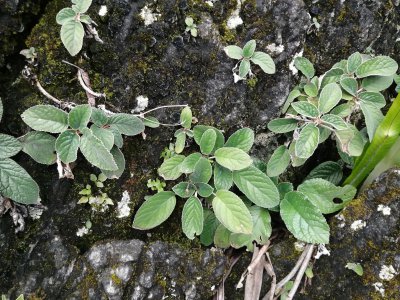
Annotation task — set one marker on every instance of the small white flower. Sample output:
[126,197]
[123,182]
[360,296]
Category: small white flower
[357,225]
[384,209]
[387,272]
[103,11]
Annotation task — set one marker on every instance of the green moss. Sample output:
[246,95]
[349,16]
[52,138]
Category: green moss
[116,279]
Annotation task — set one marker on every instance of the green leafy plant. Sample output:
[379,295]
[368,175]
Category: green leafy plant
[156,185]
[96,198]
[191,26]
[320,107]
[30,54]
[20,297]
[210,179]
[356,267]
[72,20]
[247,55]
[15,183]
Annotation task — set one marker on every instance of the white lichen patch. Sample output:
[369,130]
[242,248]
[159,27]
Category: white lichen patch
[82,231]
[358,224]
[387,272]
[379,288]
[322,251]
[123,208]
[275,49]
[210,2]
[291,65]
[148,16]
[141,104]
[384,209]
[103,11]
[342,220]
[235,20]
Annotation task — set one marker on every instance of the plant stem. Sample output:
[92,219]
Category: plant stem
[160,107]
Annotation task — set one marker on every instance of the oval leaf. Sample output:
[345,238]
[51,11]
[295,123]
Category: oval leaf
[282,125]
[304,66]
[154,211]
[40,146]
[119,160]
[232,158]
[329,97]
[207,142]
[79,116]
[242,139]
[127,124]
[46,118]
[223,178]
[234,52]
[306,109]
[170,168]
[380,65]
[72,33]
[264,61]
[188,164]
[9,146]
[202,171]
[307,142]
[278,162]
[192,218]
[67,145]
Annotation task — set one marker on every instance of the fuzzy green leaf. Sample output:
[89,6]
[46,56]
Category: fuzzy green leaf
[350,85]
[282,125]
[207,142]
[188,164]
[119,160]
[170,168]
[329,170]
[231,212]
[67,145]
[223,178]
[205,190]
[380,66]
[186,117]
[373,117]
[356,268]
[242,139]
[306,109]
[262,228]
[354,62]
[184,189]
[79,116]
[46,118]
[234,52]
[244,68]
[329,97]
[98,117]
[257,187]
[202,171]
[308,141]
[104,135]
[81,6]
[303,219]
[210,224]
[151,122]
[311,89]
[291,97]
[232,158]
[342,110]
[72,33]
[373,98]
[304,66]
[154,211]
[127,124]
[249,48]
[65,15]
[96,153]
[331,76]
[199,130]
[9,146]
[221,237]
[278,162]
[180,142]
[16,183]
[377,83]
[335,121]
[40,146]
[264,61]
[192,218]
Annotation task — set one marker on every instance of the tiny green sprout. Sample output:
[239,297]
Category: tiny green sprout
[156,185]
[309,272]
[356,267]
[191,26]
[247,55]
[96,198]
[30,54]
[168,152]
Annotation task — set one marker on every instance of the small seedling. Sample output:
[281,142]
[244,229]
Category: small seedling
[156,185]
[356,267]
[30,54]
[247,55]
[191,26]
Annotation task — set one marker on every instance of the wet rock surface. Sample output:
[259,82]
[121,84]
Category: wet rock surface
[162,62]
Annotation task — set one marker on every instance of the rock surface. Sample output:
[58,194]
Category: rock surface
[160,61]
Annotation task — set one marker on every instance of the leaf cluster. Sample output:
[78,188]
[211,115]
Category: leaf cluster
[71,20]
[191,26]
[222,176]
[248,54]
[97,199]
[323,106]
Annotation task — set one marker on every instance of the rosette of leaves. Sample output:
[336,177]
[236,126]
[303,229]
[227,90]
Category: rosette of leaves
[319,107]
[71,20]
[228,199]
[248,54]
[15,182]
[191,26]
[88,129]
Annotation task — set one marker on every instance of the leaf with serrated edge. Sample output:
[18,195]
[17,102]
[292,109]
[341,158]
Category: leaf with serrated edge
[65,15]
[329,170]
[257,187]
[104,135]
[232,158]
[278,162]
[262,228]
[67,145]
[192,218]
[9,146]
[72,33]
[40,146]
[306,109]
[16,183]
[46,118]
[329,97]
[188,164]
[96,153]
[184,189]
[170,168]
[154,211]
[303,219]
[282,125]
[379,65]
[307,141]
[210,224]
[119,160]
[242,139]
[202,171]
[79,116]
[231,212]
[98,117]
[127,124]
